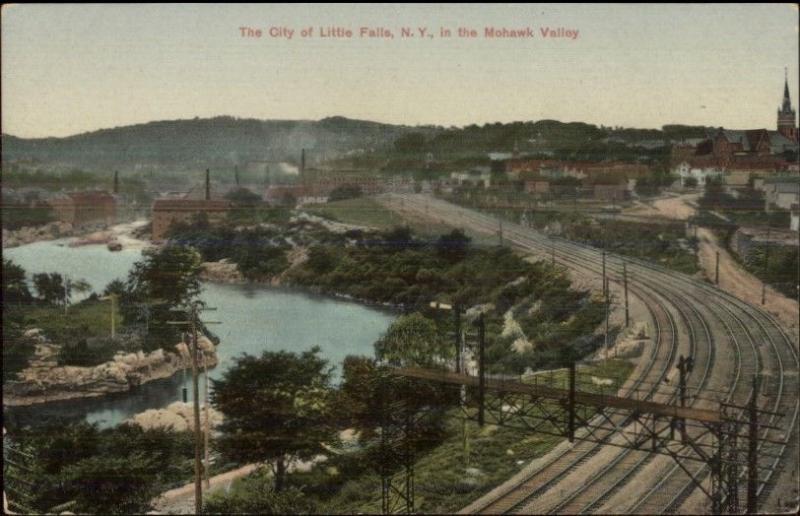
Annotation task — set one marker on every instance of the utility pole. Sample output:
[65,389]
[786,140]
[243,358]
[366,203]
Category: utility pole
[198,489]
[766,270]
[500,232]
[606,335]
[66,293]
[752,451]
[716,275]
[604,273]
[685,366]
[625,283]
[207,426]
[457,317]
[481,367]
[113,299]
[193,352]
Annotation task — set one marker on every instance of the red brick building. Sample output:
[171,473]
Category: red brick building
[81,208]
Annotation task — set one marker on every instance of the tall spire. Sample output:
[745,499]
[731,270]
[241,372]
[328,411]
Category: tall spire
[786,106]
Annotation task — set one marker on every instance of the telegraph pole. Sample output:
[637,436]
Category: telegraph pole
[198,488]
[625,283]
[766,270]
[66,293]
[457,317]
[604,271]
[207,426]
[481,367]
[606,335]
[752,451]
[198,438]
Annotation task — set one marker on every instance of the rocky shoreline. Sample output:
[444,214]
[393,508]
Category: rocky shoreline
[44,381]
[29,235]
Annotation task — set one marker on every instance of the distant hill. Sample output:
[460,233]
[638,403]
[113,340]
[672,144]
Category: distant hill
[220,141]
[226,141]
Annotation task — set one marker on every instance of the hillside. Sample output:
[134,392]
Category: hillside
[219,141]
[227,141]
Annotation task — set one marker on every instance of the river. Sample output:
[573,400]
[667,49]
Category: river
[253,319]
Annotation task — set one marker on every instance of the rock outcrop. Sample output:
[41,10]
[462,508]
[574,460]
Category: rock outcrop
[28,235]
[44,380]
[223,271]
[178,416]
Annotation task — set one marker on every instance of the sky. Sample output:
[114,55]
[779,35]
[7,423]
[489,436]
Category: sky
[67,69]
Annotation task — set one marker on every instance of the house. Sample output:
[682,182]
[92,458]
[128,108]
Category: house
[794,222]
[781,192]
[167,212]
[610,192]
[537,186]
[479,176]
[699,170]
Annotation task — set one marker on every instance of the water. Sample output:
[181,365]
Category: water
[254,319]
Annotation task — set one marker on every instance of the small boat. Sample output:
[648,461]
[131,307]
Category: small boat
[114,246]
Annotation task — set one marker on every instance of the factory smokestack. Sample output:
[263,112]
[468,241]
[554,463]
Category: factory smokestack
[208,185]
[236,174]
[116,182]
[302,163]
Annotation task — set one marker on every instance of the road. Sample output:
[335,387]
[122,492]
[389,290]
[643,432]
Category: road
[730,340]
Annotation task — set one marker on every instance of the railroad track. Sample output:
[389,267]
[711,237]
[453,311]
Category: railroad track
[713,320]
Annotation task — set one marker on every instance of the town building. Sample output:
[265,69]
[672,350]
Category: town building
[84,208]
[781,192]
[610,192]
[479,176]
[537,186]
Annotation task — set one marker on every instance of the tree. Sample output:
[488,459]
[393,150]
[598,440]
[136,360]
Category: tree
[170,275]
[412,341]
[255,494]
[409,143]
[690,182]
[277,408]
[341,193]
[321,259]
[243,197]
[15,287]
[52,288]
[454,246]
[164,283]
[112,485]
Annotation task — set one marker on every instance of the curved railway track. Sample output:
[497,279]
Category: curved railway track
[725,334]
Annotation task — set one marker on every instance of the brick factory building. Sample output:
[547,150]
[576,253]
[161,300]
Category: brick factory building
[81,208]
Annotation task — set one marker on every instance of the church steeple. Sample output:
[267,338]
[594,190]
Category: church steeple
[786,114]
[786,107]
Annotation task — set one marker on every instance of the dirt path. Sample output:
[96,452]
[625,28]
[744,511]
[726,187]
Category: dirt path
[181,499]
[734,279]
[677,208]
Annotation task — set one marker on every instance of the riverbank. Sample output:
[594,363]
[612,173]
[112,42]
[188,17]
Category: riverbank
[29,235]
[45,381]
[94,234]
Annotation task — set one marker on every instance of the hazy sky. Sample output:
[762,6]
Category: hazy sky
[69,69]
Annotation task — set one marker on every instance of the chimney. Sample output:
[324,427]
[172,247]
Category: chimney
[236,174]
[302,163]
[208,185]
[116,182]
